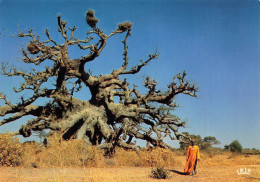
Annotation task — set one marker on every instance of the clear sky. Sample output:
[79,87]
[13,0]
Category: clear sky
[216,42]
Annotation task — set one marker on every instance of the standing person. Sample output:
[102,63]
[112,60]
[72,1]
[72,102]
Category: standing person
[192,156]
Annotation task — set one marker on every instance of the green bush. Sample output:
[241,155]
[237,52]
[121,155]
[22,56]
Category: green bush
[160,173]
[10,150]
[235,146]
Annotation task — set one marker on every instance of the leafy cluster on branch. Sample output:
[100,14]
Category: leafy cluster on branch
[101,121]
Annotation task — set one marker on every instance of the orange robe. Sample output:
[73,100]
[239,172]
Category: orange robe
[192,155]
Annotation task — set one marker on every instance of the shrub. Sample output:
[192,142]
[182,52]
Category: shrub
[235,146]
[10,150]
[160,173]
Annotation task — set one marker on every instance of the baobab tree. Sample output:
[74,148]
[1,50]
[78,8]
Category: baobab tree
[116,113]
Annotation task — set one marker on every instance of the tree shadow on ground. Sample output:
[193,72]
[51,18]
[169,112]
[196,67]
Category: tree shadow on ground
[178,172]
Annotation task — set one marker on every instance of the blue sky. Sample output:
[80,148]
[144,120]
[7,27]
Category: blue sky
[215,42]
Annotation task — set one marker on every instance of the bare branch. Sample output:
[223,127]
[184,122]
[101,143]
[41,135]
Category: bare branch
[137,68]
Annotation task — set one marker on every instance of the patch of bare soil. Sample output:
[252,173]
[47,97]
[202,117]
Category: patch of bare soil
[125,174]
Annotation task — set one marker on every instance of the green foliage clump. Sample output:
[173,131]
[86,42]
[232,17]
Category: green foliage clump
[160,173]
[204,144]
[235,146]
[10,150]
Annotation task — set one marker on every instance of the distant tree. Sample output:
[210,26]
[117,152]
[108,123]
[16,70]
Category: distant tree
[235,146]
[211,140]
[208,142]
[226,147]
[185,142]
[41,135]
[203,144]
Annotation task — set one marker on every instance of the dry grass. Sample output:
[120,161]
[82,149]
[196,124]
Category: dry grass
[72,161]
[75,154]
[146,158]
[62,154]
[229,159]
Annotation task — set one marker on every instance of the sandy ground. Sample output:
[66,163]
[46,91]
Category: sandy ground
[124,174]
